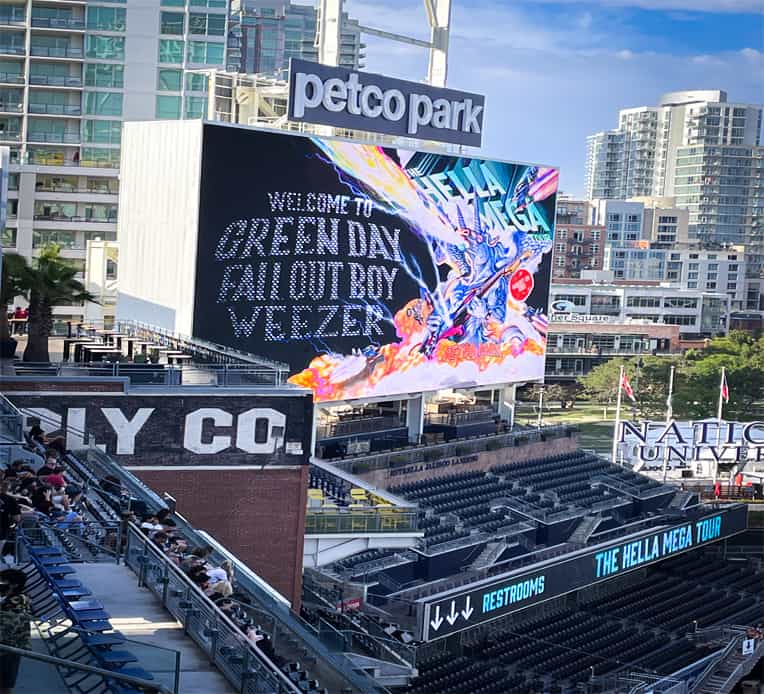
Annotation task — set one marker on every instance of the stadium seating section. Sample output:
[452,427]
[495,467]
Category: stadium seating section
[642,626]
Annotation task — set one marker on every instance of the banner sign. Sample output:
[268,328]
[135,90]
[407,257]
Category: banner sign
[467,607]
[354,100]
[370,271]
[182,429]
[682,444]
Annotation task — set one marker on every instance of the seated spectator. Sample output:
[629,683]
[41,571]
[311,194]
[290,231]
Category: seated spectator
[58,445]
[51,465]
[36,433]
[18,469]
[197,557]
[42,502]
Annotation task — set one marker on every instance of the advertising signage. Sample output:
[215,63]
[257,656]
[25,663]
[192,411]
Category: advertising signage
[498,597]
[179,429]
[354,100]
[373,271]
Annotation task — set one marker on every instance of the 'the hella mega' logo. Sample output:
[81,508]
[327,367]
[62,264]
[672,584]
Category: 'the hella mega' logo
[365,101]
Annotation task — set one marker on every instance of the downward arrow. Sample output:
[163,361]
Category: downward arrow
[435,623]
[467,611]
[453,615]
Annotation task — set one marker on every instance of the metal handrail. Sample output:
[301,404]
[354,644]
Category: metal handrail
[283,683]
[73,665]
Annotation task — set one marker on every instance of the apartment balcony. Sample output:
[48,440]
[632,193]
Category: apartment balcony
[13,18]
[55,81]
[67,110]
[11,49]
[56,53]
[66,138]
[58,24]
[11,107]
[14,78]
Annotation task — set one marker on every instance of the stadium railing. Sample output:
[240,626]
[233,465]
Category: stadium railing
[11,422]
[391,460]
[220,639]
[215,353]
[265,599]
[93,464]
[152,375]
[388,520]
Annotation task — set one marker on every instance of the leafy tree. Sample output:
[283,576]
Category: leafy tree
[743,357]
[14,267]
[696,381]
[49,281]
[648,376]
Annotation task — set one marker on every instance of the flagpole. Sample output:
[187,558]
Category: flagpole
[669,416]
[617,414]
[719,423]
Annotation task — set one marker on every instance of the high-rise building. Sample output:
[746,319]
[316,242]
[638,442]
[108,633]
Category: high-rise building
[265,34]
[639,157]
[70,73]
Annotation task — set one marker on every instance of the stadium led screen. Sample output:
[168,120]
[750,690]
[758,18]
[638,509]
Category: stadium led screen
[373,271]
[489,599]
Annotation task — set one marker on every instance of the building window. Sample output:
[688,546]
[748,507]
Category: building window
[204,53]
[680,302]
[196,82]
[104,132]
[103,103]
[595,249]
[559,261]
[643,301]
[560,248]
[105,47]
[171,51]
[207,24]
[168,107]
[195,106]
[171,23]
[100,156]
[575,299]
[562,233]
[679,320]
[105,75]
[106,18]
[169,80]
[595,234]
[710,285]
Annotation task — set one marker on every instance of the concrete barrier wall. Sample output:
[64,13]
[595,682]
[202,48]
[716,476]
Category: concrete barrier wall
[469,462]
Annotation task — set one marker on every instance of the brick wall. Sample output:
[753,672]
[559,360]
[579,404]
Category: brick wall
[257,514]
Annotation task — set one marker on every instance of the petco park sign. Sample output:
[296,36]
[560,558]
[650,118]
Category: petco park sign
[365,101]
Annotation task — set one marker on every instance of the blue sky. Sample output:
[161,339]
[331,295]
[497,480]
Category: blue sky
[555,71]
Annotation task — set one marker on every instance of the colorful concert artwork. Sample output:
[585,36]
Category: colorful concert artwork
[372,271]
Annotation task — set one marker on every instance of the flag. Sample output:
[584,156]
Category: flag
[725,391]
[627,387]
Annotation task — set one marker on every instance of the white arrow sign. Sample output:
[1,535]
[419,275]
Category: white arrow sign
[453,615]
[435,623]
[467,611]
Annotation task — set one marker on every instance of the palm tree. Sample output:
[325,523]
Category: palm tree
[49,281]
[14,267]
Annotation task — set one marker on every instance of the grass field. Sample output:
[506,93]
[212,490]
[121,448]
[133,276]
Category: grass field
[594,422]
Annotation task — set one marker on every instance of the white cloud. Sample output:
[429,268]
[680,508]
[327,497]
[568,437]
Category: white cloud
[549,86]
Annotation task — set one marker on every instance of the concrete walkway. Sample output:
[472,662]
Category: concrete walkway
[138,614]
